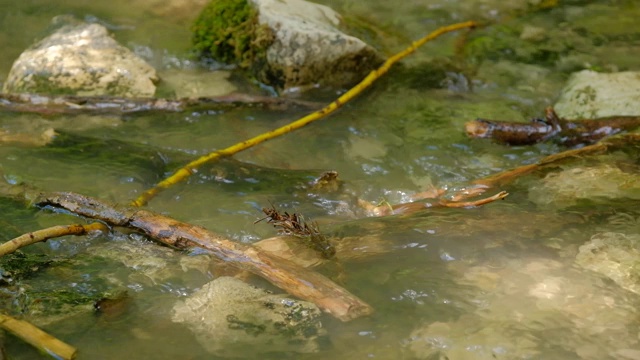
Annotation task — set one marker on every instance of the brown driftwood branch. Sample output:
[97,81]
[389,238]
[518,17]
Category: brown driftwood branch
[288,276]
[566,132]
[419,204]
[46,234]
[607,145]
[71,104]
[37,338]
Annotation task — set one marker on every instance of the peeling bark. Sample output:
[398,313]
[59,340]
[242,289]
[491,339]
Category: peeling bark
[566,132]
[292,278]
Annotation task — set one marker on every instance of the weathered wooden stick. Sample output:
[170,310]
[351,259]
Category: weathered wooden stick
[288,276]
[566,132]
[412,207]
[46,234]
[190,168]
[603,146]
[72,104]
[37,338]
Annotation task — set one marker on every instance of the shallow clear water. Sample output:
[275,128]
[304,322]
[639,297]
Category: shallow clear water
[493,282]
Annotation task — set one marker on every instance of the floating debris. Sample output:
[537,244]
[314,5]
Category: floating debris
[295,225]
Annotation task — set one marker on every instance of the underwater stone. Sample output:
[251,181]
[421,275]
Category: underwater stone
[589,95]
[81,59]
[228,317]
[614,255]
[195,84]
[567,187]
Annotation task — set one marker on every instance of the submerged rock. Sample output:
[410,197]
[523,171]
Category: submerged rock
[530,308]
[229,316]
[195,84]
[589,95]
[285,43]
[567,187]
[81,59]
[614,255]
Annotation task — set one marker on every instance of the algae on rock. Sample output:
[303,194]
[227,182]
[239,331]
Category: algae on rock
[228,31]
[283,43]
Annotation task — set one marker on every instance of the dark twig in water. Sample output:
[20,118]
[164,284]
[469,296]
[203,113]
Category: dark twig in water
[295,225]
[566,132]
[73,104]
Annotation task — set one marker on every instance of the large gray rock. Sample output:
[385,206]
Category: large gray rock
[228,317]
[589,94]
[81,59]
[309,48]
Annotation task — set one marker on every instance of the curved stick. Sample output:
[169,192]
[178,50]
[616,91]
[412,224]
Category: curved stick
[294,279]
[37,338]
[186,171]
[46,234]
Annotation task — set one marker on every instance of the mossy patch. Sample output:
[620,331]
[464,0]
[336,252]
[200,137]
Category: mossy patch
[228,31]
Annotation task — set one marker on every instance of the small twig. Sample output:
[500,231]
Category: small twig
[411,207]
[73,104]
[37,338]
[458,204]
[186,171]
[46,234]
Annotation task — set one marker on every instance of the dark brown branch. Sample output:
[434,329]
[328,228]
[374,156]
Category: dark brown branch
[566,132]
[46,234]
[68,104]
[288,276]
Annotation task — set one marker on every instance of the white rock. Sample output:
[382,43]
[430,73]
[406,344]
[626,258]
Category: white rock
[589,94]
[81,59]
[228,317]
[309,49]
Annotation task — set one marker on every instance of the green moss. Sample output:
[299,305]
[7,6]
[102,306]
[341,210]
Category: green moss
[228,31]
[17,266]
[41,83]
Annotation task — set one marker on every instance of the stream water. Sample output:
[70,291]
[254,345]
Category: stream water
[495,282]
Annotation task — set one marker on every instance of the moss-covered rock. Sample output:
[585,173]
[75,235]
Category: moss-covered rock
[228,31]
[284,43]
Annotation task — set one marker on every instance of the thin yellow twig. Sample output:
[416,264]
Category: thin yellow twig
[37,338]
[46,234]
[187,170]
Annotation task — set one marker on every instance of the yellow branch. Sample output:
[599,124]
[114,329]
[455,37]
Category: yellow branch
[42,341]
[189,169]
[48,233]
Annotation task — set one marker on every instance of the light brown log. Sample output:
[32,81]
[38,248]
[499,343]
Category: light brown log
[46,234]
[37,338]
[294,279]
